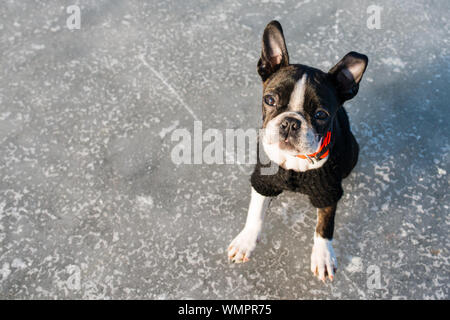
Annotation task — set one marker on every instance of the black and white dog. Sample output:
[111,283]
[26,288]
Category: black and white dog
[306,135]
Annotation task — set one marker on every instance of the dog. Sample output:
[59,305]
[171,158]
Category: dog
[306,135]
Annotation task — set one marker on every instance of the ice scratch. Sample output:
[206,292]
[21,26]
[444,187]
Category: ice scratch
[171,89]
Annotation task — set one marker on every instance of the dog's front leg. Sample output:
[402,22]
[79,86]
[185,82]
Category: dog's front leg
[323,259]
[243,245]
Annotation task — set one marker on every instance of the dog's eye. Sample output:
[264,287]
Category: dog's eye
[269,100]
[321,115]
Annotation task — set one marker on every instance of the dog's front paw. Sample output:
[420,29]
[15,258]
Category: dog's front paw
[323,259]
[243,245]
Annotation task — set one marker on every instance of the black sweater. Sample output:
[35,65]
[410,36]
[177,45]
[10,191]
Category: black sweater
[323,185]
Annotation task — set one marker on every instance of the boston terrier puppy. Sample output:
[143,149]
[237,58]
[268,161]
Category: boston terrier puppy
[306,137]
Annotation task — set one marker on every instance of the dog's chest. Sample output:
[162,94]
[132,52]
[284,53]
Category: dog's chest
[309,182]
[298,181]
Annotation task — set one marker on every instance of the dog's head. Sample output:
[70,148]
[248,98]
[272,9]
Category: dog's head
[299,102]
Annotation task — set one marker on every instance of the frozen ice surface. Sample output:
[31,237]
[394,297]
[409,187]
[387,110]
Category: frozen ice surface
[91,205]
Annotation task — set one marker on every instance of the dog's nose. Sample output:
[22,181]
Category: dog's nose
[290,124]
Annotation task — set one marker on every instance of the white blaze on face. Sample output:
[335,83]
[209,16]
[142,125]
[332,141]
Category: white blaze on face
[298,95]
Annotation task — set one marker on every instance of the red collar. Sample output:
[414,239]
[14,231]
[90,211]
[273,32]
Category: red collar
[325,142]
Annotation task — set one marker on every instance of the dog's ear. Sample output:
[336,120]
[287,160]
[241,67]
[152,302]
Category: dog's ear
[274,54]
[347,74]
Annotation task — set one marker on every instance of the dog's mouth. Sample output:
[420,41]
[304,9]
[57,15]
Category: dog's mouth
[298,142]
[288,144]
[291,145]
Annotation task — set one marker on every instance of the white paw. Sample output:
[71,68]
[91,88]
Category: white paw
[243,245]
[323,259]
